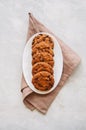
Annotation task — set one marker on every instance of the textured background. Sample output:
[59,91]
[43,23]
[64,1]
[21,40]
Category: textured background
[67,19]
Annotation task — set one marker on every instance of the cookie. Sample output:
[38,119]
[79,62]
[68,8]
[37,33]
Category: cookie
[43,57]
[38,39]
[49,41]
[43,81]
[41,66]
[43,37]
[42,47]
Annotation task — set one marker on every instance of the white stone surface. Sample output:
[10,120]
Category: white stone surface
[67,19]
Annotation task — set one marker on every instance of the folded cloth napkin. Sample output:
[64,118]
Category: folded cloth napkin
[70,60]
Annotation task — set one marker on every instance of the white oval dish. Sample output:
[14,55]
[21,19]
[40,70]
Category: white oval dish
[27,64]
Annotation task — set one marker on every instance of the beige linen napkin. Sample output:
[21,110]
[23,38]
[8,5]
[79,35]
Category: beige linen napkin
[70,60]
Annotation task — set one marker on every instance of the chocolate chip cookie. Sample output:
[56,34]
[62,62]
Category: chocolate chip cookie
[43,57]
[43,37]
[42,47]
[43,81]
[41,66]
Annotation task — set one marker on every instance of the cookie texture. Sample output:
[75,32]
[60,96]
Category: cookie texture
[42,47]
[43,80]
[43,57]
[43,37]
[41,66]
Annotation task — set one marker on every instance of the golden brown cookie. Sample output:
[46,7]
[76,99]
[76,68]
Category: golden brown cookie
[43,37]
[42,47]
[43,57]
[49,41]
[41,66]
[43,81]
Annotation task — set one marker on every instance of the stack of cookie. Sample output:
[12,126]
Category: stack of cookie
[42,62]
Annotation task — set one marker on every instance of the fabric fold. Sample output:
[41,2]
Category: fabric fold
[70,61]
